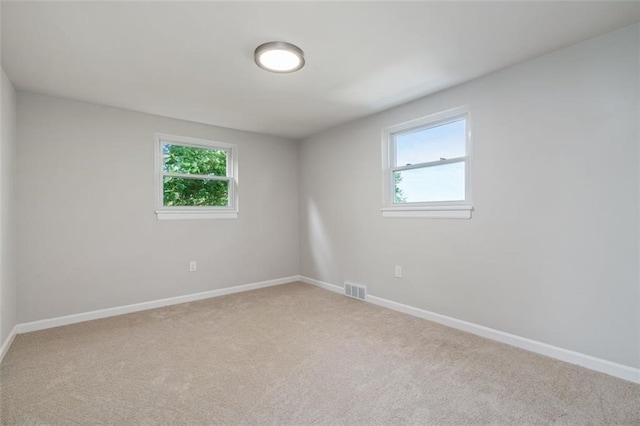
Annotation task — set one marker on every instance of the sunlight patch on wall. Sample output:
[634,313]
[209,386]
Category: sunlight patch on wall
[320,247]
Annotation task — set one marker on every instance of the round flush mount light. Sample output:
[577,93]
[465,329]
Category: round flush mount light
[279,56]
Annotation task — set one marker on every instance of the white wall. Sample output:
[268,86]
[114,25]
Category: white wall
[551,252]
[8,280]
[88,235]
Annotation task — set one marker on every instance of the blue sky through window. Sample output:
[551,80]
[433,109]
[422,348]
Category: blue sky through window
[444,141]
[435,183]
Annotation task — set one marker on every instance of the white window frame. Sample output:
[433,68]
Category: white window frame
[197,212]
[460,209]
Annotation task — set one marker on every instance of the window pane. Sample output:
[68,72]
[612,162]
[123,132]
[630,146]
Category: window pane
[194,161]
[195,192]
[433,144]
[435,183]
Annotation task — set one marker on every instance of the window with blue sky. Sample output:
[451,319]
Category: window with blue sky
[430,163]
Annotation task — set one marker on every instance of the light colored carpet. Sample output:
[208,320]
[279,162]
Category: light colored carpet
[293,354]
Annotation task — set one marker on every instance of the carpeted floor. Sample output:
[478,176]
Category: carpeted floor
[293,354]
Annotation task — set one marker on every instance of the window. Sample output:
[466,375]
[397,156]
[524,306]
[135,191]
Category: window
[426,167]
[196,179]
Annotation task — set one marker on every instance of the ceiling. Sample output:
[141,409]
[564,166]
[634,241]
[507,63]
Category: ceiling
[194,60]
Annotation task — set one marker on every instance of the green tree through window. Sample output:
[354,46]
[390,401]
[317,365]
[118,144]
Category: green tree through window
[194,176]
[398,196]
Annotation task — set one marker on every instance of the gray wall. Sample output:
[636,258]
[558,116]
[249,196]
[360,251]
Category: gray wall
[551,252]
[8,280]
[88,235]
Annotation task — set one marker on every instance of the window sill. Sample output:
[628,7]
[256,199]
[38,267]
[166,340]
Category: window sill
[429,212]
[187,214]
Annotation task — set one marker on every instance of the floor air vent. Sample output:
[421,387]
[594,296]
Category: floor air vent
[354,290]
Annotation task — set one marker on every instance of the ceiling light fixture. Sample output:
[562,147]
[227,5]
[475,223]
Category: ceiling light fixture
[279,56]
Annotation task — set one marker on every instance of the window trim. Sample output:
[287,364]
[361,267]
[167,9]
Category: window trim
[196,212]
[460,209]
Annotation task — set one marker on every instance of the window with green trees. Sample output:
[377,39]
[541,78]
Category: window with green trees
[195,174]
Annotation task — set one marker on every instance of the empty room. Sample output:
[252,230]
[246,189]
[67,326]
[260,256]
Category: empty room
[333,212]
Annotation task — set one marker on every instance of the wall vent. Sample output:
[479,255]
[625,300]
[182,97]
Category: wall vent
[355,290]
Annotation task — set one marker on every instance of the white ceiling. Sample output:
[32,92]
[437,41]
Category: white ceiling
[194,60]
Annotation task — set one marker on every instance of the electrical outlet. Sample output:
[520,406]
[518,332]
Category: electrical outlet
[193,266]
[398,271]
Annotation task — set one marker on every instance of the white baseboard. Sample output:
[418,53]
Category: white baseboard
[322,284]
[120,310]
[617,370]
[7,343]
[611,368]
